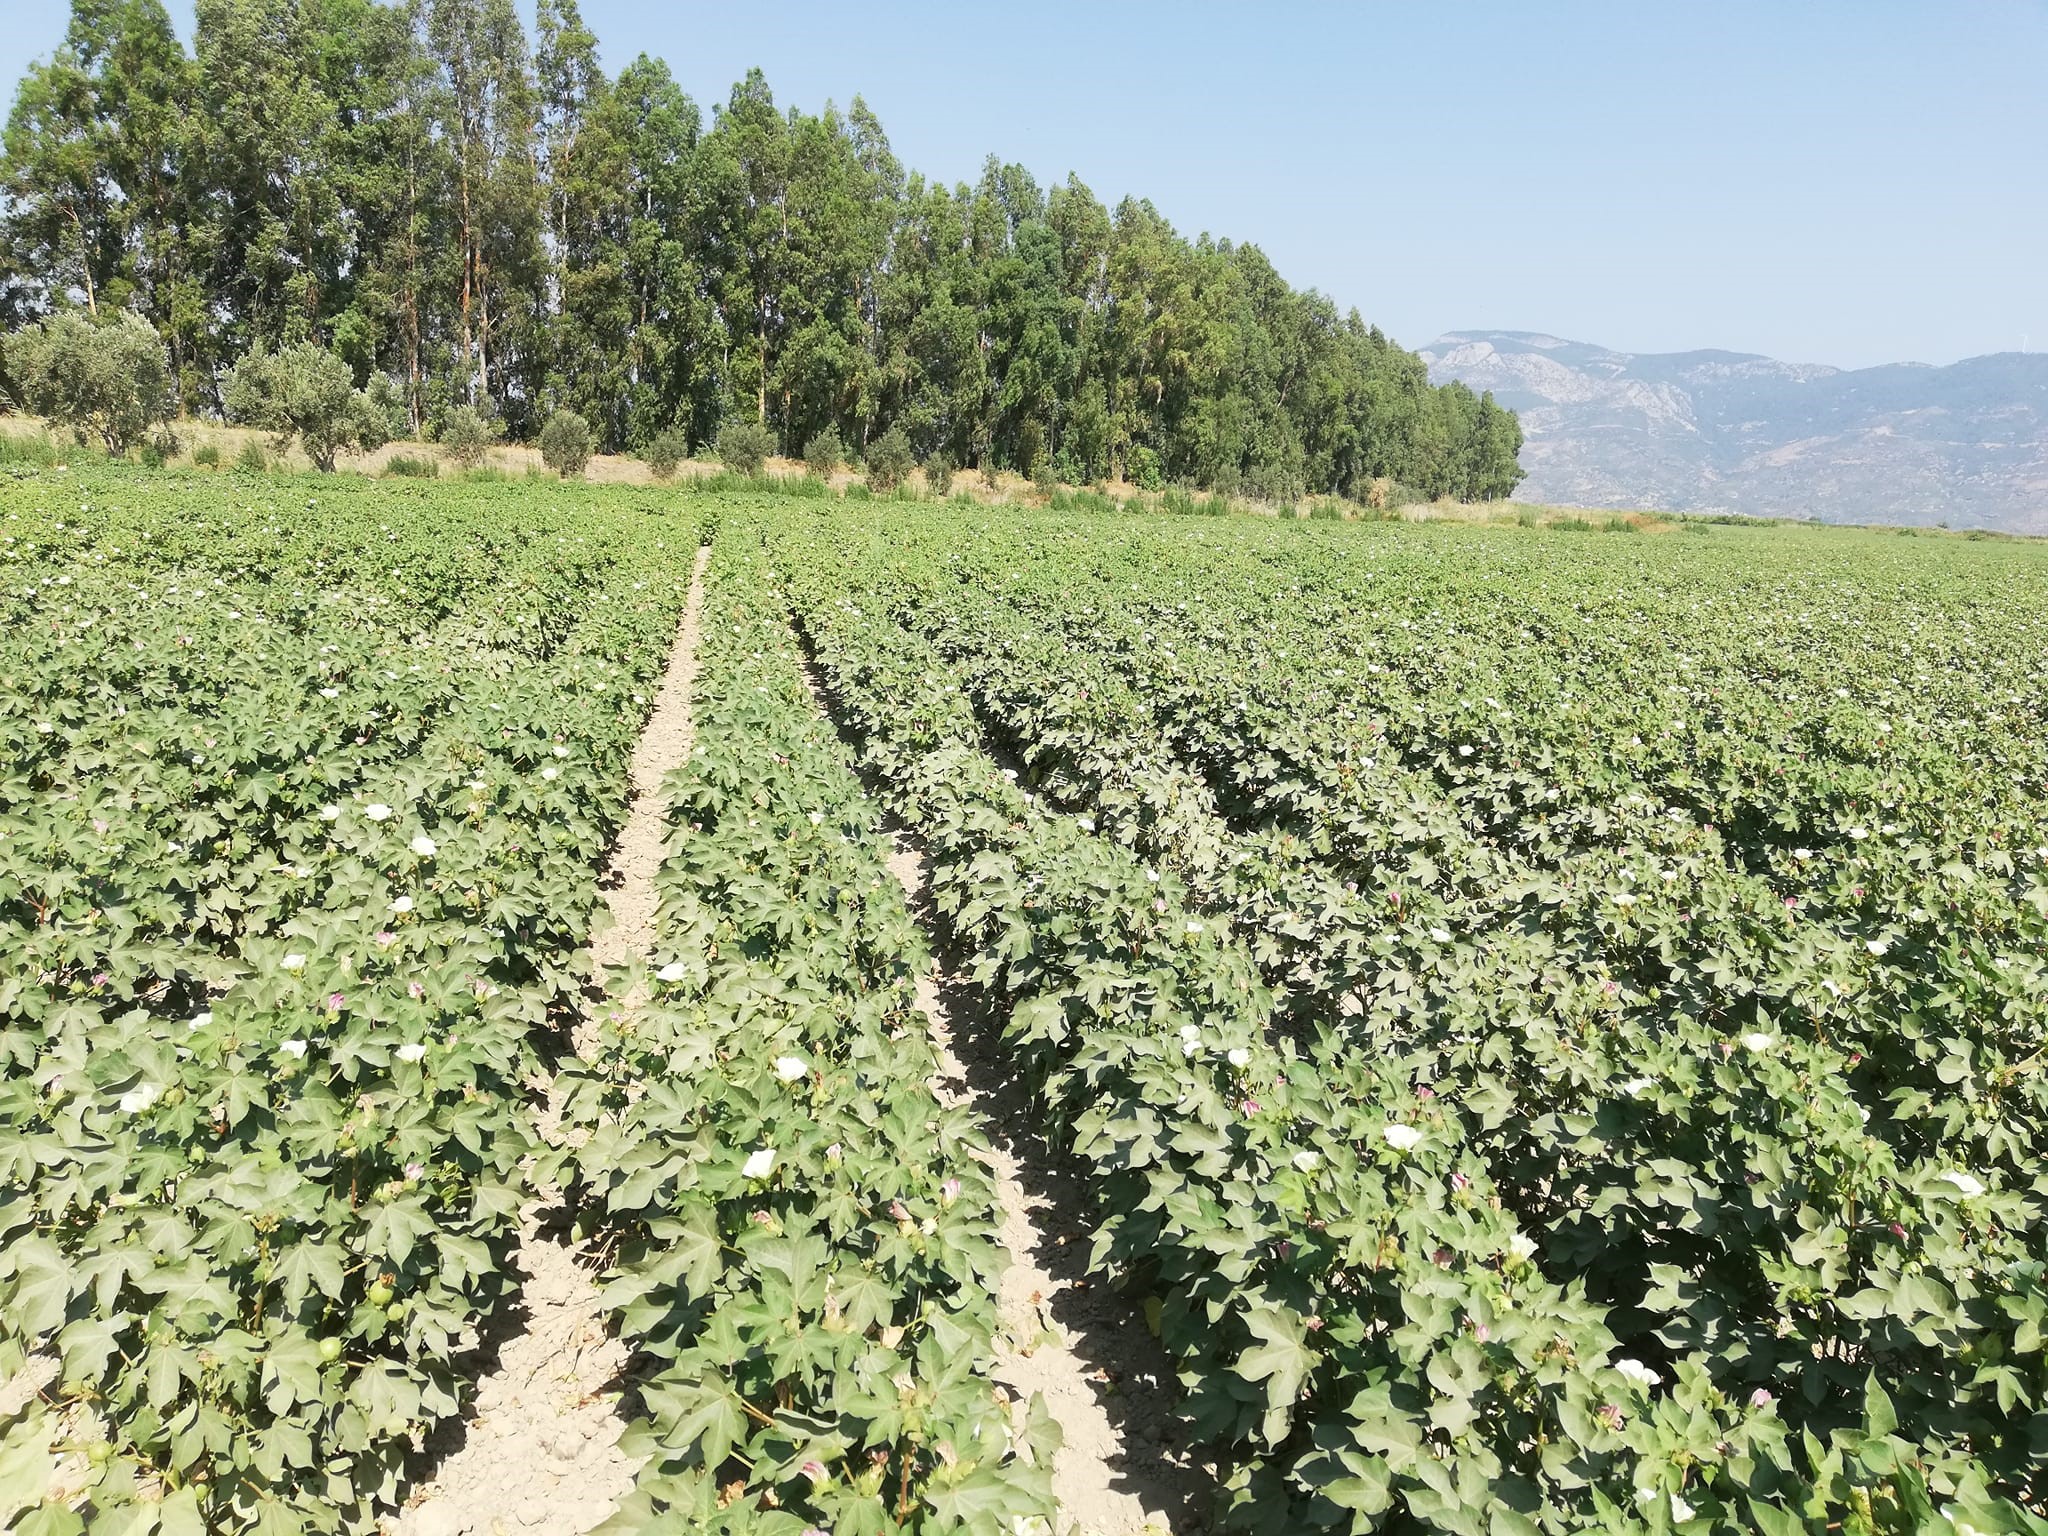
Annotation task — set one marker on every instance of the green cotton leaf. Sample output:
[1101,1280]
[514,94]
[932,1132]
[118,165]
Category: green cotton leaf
[305,1268]
[86,1345]
[697,1251]
[50,1520]
[387,1395]
[703,1416]
[25,1465]
[126,1520]
[1879,1417]
[291,1372]
[274,1517]
[41,1289]
[395,1227]
[864,1300]
[1282,1360]
[163,1375]
[987,1500]
[179,1514]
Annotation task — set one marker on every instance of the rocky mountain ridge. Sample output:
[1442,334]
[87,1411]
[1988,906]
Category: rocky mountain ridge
[1965,444]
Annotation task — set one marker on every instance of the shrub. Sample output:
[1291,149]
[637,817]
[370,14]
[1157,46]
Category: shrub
[407,467]
[108,380]
[307,392]
[938,473]
[161,448]
[252,457]
[743,445]
[990,475]
[890,459]
[1274,483]
[665,451]
[565,444]
[1143,469]
[824,453]
[467,435]
[207,455]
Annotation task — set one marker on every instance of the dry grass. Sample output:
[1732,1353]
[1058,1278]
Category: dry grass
[1010,489]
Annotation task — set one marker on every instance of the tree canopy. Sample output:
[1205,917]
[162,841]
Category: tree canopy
[428,192]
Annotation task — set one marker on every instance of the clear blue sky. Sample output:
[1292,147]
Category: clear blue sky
[1831,182]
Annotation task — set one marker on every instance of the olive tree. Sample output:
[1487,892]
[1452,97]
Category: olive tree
[565,443]
[305,391]
[467,435]
[106,379]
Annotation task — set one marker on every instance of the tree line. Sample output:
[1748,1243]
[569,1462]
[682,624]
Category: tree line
[485,220]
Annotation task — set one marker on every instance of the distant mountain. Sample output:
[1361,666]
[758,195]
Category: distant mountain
[1730,431]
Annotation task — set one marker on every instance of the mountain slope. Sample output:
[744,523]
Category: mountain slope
[1730,431]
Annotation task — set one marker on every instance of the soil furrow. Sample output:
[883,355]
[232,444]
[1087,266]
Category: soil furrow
[1122,1468]
[539,1450]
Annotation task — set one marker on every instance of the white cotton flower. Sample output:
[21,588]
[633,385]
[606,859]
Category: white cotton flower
[1522,1246]
[1967,1185]
[1189,1032]
[1876,946]
[401,906]
[1680,1510]
[675,970]
[1755,1041]
[1308,1162]
[43,727]
[1085,823]
[1193,926]
[1402,1138]
[200,1019]
[1638,1372]
[330,813]
[136,1100]
[792,1068]
[377,811]
[1624,899]
[1441,935]
[412,1051]
[1802,854]
[759,1164]
[330,693]
[817,818]
[1635,1086]
[550,773]
[294,963]
[425,846]
[1238,1056]
[296,1049]
[561,751]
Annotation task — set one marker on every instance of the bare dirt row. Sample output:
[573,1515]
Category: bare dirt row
[539,1450]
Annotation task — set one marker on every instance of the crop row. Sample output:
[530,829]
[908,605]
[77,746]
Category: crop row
[1731,1232]
[299,882]
[801,1235]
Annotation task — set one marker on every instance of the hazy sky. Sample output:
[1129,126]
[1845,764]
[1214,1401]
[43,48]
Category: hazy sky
[1830,182]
